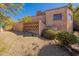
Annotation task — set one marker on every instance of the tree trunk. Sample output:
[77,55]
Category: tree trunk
[1,29]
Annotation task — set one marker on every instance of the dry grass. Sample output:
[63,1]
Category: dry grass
[12,44]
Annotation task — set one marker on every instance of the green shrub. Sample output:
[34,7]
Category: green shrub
[77,39]
[48,34]
[66,38]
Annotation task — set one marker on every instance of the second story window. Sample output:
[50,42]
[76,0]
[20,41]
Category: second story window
[57,16]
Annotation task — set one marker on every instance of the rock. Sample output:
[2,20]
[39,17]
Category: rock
[76,34]
[35,47]
[75,47]
[33,43]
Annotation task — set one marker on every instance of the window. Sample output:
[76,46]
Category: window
[57,16]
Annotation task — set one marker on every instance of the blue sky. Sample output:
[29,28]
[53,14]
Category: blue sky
[30,9]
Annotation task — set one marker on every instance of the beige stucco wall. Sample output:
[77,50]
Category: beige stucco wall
[42,26]
[18,27]
[60,25]
[37,18]
[69,22]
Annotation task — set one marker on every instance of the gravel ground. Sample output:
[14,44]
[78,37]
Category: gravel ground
[12,44]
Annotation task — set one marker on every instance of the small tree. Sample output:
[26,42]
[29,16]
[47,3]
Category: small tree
[26,19]
[1,21]
[8,8]
[75,16]
[8,23]
[1,26]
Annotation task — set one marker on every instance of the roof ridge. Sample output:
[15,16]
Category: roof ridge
[56,8]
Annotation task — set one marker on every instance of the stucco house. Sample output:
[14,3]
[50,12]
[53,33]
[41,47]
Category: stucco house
[58,19]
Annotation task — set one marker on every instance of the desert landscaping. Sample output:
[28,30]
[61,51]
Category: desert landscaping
[17,45]
[50,32]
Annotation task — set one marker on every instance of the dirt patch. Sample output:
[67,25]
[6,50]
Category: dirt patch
[18,45]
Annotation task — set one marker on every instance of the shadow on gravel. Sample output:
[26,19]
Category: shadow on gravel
[24,34]
[51,50]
